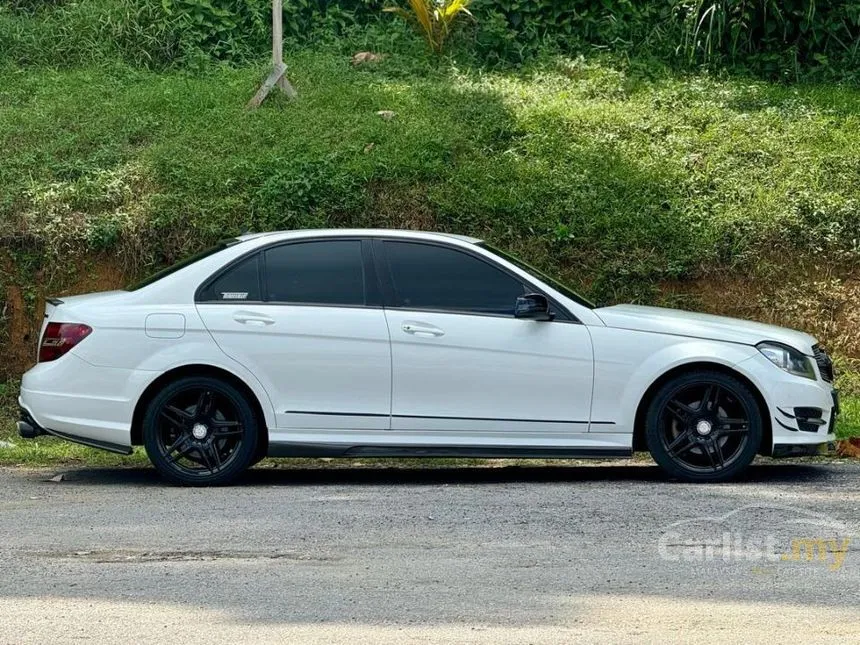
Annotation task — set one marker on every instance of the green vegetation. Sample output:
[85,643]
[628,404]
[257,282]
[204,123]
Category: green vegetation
[433,20]
[636,175]
[787,39]
[616,177]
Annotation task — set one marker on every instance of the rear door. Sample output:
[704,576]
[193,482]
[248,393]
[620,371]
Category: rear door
[306,318]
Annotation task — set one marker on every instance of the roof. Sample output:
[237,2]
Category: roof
[369,232]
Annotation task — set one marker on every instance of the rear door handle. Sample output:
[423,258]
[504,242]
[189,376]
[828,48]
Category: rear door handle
[421,329]
[253,319]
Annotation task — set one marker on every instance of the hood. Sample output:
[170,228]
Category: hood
[694,325]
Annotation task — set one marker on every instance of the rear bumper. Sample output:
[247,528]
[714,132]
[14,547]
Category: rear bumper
[28,428]
[74,400]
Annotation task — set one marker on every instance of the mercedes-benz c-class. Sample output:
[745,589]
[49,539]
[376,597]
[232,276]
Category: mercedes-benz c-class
[399,343]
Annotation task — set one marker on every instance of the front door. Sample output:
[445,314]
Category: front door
[465,370]
[305,319]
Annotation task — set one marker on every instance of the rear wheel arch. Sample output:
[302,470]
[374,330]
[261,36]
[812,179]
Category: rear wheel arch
[198,370]
[698,366]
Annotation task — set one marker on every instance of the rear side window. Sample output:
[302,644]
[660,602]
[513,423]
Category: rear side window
[239,283]
[436,277]
[325,272]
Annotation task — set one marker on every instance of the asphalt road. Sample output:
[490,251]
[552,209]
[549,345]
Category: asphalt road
[519,555]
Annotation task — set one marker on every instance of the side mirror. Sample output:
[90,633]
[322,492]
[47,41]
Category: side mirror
[532,306]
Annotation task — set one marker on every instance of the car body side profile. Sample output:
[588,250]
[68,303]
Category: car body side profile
[402,343]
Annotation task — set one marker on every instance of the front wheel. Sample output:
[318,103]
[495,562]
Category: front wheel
[703,426]
[200,431]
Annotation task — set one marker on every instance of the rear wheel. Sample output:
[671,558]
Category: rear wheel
[704,426]
[200,431]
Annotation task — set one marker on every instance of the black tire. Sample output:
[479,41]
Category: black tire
[703,426]
[200,431]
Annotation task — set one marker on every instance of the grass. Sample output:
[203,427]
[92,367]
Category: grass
[611,178]
[629,181]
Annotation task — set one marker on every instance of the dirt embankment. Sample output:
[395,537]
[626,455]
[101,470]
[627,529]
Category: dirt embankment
[823,303]
[23,308]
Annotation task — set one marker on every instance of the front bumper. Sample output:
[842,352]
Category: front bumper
[803,412]
[805,450]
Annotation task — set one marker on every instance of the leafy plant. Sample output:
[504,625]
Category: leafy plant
[433,18]
[772,33]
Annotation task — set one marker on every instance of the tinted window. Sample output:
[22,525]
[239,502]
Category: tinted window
[329,273]
[241,282]
[435,277]
[555,284]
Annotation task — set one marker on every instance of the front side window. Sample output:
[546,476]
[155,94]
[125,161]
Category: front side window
[435,277]
[325,272]
[239,283]
[540,275]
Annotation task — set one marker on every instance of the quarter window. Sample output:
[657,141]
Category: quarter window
[239,283]
[327,273]
[435,277]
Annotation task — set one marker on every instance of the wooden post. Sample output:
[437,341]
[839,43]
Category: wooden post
[278,75]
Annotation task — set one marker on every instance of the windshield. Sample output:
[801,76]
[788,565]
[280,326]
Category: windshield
[540,275]
[155,277]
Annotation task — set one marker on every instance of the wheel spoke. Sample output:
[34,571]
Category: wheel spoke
[706,450]
[182,446]
[679,410]
[210,457]
[718,452]
[226,428]
[681,444]
[205,404]
[216,456]
[711,398]
[176,417]
[726,426]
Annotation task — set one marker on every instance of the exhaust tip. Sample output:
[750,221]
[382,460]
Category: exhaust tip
[28,431]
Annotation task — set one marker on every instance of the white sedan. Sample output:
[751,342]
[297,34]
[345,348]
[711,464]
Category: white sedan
[344,343]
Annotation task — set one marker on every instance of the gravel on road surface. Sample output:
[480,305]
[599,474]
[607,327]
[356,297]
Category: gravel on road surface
[550,554]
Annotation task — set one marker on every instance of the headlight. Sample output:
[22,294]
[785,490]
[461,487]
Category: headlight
[788,359]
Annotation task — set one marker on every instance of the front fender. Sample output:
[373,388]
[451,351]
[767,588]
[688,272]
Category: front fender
[628,362]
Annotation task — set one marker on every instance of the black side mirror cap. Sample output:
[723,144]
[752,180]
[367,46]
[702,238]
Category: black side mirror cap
[532,306]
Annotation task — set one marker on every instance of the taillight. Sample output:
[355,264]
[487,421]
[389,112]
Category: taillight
[59,338]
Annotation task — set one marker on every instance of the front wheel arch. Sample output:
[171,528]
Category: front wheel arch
[642,409]
[199,370]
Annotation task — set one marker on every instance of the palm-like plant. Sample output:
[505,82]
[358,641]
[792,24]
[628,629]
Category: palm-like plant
[433,18]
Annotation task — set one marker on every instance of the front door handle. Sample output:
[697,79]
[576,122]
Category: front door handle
[421,329]
[253,319]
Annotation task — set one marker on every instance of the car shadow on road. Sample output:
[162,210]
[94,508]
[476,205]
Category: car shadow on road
[323,475]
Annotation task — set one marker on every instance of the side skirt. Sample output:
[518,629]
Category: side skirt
[480,452]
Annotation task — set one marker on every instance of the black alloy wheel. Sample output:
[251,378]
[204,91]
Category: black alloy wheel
[704,426]
[200,431]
